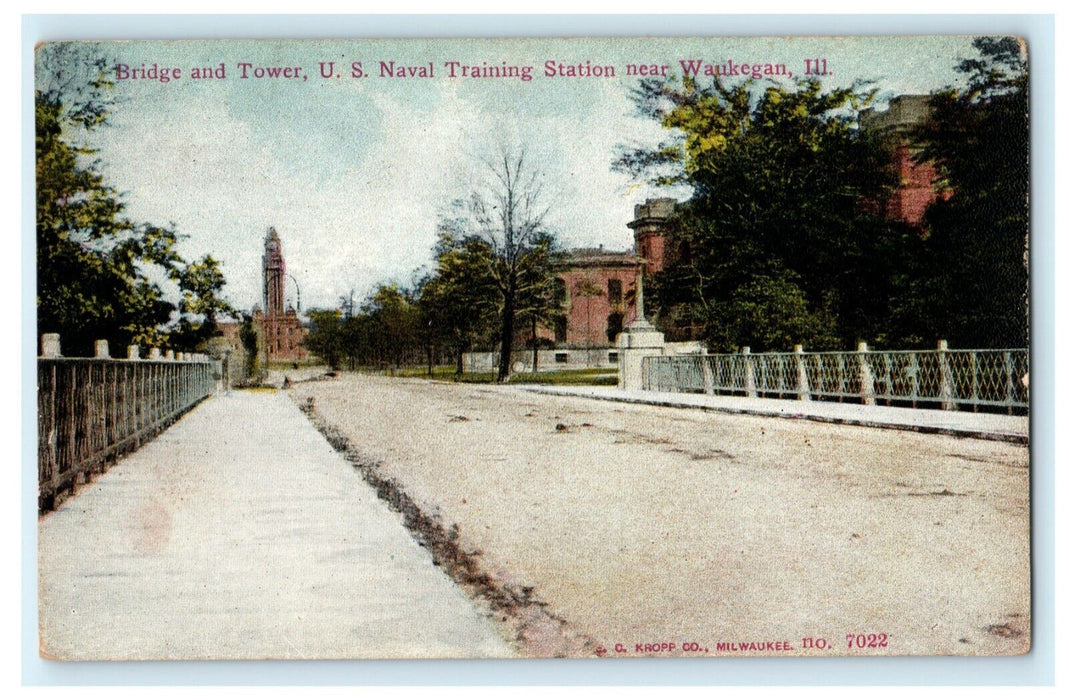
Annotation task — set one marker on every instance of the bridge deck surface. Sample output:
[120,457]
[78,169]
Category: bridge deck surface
[239,533]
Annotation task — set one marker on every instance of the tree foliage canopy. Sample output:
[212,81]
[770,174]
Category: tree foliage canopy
[783,241]
[499,243]
[99,274]
[972,285]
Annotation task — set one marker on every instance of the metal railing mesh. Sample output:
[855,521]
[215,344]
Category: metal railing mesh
[90,411]
[949,378]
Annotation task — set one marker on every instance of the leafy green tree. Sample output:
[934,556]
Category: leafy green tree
[458,299]
[781,234]
[251,345]
[325,338]
[200,283]
[973,286]
[98,271]
[393,324]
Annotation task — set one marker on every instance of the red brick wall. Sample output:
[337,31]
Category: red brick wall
[916,189]
[588,305]
[650,247]
[281,336]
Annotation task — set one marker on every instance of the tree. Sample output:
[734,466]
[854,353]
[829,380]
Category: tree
[973,286]
[393,324]
[780,234]
[250,343]
[457,300]
[508,216]
[200,283]
[325,337]
[98,271]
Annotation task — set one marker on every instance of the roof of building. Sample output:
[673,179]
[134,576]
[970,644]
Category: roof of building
[598,257]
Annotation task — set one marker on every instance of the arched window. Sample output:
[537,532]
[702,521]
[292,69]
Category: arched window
[616,292]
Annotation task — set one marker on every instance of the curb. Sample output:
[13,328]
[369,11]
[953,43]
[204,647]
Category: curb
[978,434]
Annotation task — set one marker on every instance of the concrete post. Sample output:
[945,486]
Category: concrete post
[637,342]
[803,376]
[154,353]
[868,385]
[133,352]
[100,350]
[169,356]
[946,378]
[750,379]
[50,345]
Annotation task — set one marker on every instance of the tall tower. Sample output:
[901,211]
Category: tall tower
[274,275]
[650,227]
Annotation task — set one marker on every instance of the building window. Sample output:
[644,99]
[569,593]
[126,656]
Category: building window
[615,326]
[560,293]
[614,357]
[616,292]
[560,329]
[561,358]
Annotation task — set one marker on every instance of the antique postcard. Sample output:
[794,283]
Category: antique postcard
[533,348]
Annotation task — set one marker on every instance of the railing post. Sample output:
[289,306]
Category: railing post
[749,381]
[946,378]
[803,376]
[100,350]
[50,345]
[708,376]
[1008,356]
[868,385]
[133,352]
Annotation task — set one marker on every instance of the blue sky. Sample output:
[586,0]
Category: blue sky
[354,173]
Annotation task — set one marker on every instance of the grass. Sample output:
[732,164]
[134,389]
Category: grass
[571,377]
[257,389]
[301,364]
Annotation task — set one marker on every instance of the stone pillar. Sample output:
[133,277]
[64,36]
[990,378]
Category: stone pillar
[50,345]
[169,356]
[100,350]
[708,376]
[803,375]
[154,353]
[750,379]
[637,342]
[868,385]
[133,352]
[640,340]
[946,378]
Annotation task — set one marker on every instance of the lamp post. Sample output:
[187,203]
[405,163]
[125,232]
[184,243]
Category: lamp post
[298,286]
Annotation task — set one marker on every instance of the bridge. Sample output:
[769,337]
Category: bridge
[371,517]
[239,533]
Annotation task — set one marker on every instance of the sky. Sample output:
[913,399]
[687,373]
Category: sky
[355,172]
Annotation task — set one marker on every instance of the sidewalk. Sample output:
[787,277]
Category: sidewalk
[240,534]
[988,426]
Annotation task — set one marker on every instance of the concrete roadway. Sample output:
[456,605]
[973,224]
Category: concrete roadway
[240,534]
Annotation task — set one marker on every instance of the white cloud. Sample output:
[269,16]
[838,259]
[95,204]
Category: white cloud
[223,185]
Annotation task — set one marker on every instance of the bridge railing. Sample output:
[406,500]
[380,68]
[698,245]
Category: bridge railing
[90,411]
[941,378]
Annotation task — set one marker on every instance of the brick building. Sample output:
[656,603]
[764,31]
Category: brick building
[599,288]
[916,181]
[597,297]
[278,326]
[598,294]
